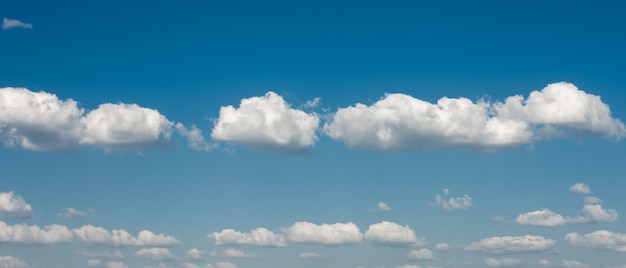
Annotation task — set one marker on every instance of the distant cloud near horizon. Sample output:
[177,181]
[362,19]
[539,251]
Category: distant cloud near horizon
[13,23]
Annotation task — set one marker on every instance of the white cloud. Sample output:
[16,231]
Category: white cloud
[512,244]
[225,264]
[592,200]
[544,217]
[257,237]
[12,262]
[12,23]
[463,202]
[267,123]
[383,207]
[155,254]
[116,264]
[390,233]
[601,239]
[325,234]
[94,262]
[408,266]
[99,236]
[575,264]
[69,213]
[195,140]
[442,247]
[234,253]
[312,103]
[491,262]
[191,265]
[14,206]
[105,254]
[24,234]
[401,122]
[312,256]
[423,254]
[580,188]
[125,126]
[196,254]
[596,213]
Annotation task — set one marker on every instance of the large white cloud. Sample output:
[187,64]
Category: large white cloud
[390,233]
[41,121]
[257,237]
[325,234]
[14,206]
[12,262]
[267,123]
[99,236]
[34,235]
[156,254]
[544,217]
[512,244]
[601,239]
[401,122]
[423,254]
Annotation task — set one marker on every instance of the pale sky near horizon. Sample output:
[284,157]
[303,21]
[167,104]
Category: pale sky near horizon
[328,134]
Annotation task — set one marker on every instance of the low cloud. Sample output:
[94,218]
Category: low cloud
[383,207]
[503,262]
[99,236]
[233,253]
[312,256]
[12,262]
[390,233]
[580,188]
[463,202]
[257,237]
[325,234]
[601,239]
[512,244]
[267,123]
[34,235]
[423,254]
[14,206]
[155,254]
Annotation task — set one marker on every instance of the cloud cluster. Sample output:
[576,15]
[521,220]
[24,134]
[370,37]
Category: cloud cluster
[14,206]
[267,123]
[34,235]
[463,202]
[257,237]
[13,23]
[512,244]
[401,122]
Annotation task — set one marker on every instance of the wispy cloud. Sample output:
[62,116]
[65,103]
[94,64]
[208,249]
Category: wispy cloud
[13,23]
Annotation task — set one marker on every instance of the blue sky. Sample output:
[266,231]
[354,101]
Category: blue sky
[327,134]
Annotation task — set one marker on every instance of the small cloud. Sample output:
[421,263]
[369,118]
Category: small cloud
[383,207]
[94,262]
[498,218]
[580,188]
[421,255]
[69,213]
[234,253]
[195,140]
[14,206]
[312,103]
[325,234]
[12,262]
[312,256]
[392,234]
[155,254]
[196,254]
[504,262]
[12,23]
[258,237]
[512,244]
[456,203]
[442,247]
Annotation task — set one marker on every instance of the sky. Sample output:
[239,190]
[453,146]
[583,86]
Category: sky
[323,134]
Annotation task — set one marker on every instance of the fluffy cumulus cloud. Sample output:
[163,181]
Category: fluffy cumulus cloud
[196,254]
[512,244]
[41,121]
[544,217]
[12,262]
[423,254]
[312,256]
[401,122]
[13,23]
[257,237]
[503,262]
[463,202]
[155,254]
[14,206]
[592,211]
[99,236]
[325,234]
[596,213]
[34,235]
[383,207]
[267,123]
[233,253]
[580,188]
[601,239]
[390,233]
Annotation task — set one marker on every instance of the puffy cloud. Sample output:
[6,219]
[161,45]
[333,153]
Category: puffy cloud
[233,253]
[257,237]
[33,235]
[454,203]
[125,126]
[195,140]
[596,213]
[196,254]
[491,262]
[116,264]
[156,254]
[544,217]
[325,234]
[97,235]
[383,207]
[41,121]
[442,247]
[312,256]
[421,255]
[390,233]
[225,264]
[512,244]
[12,23]
[69,213]
[14,206]
[267,123]
[12,262]
[401,122]
[601,239]
[94,262]
[580,188]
